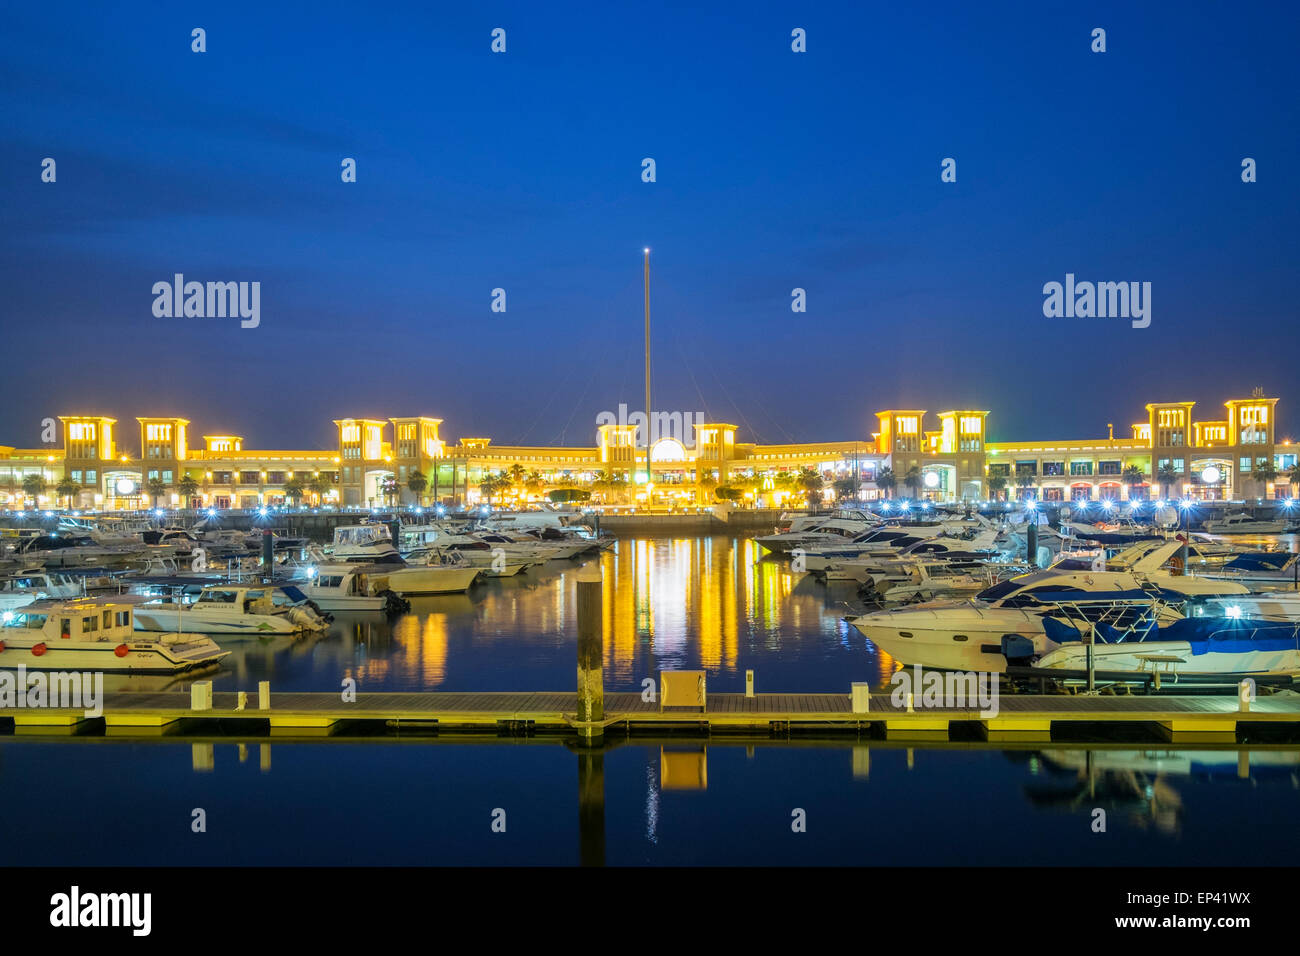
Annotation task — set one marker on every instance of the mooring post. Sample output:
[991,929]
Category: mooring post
[749,683]
[268,555]
[591,653]
[1031,544]
[264,695]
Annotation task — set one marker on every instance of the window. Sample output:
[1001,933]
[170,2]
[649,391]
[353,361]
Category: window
[275,477]
[221,477]
[108,619]
[89,624]
[123,618]
[1001,470]
[1244,464]
[1054,468]
[1108,468]
[249,477]
[1081,468]
[1026,468]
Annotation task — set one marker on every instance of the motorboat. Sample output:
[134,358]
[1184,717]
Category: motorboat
[827,533]
[1008,620]
[1259,570]
[1263,606]
[37,584]
[349,587]
[226,609]
[366,543]
[442,573]
[72,550]
[1192,646]
[1242,523]
[96,635]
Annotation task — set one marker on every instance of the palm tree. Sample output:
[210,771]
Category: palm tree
[886,481]
[1293,476]
[388,488]
[417,483]
[320,486]
[1133,476]
[534,484]
[811,481]
[913,480]
[491,485]
[516,473]
[1264,473]
[67,488]
[996,485]
[188,486]
[34,486]
[157,488]
[293,490]
[1024,482]
[1167,478]
[844,487]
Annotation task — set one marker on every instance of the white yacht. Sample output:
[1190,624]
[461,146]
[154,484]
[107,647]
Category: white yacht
[231,610]
[827,533]
[1023,618]
[1242,523]
[90,634]
[442,573]
[345,587]
[363,543]
[37,584]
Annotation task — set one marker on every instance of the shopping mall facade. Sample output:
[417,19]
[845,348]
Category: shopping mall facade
[1235,455]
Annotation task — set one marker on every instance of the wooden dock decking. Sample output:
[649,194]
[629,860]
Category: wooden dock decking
[1201,717]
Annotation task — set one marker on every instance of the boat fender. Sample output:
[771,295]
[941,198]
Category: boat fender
[38,649]
[2,645]
[121,650]
[1016,647]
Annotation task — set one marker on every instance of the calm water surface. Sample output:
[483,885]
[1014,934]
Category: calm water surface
[671,603]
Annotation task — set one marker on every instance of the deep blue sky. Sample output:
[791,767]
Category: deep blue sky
[522,170]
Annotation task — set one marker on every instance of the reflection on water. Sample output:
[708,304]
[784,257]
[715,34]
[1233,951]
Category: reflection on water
[706,603]
[866,802]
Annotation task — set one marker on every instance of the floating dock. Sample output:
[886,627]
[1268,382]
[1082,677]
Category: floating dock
[1077,718]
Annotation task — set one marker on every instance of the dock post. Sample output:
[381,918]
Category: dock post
[268,556]
[201,695]
[860,692]
[1245,694]
[1031,544]
[591,653]
[264,695]
[749,683]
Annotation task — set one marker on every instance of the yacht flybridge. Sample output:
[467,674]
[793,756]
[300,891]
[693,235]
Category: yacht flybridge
[91,634]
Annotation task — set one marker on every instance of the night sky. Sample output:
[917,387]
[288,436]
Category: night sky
[522,170]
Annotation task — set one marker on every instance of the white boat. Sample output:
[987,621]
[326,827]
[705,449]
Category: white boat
[232,610]
[96,635]
[1191,647]
[444,573]
[1264,606]
[37,584]
[1242,523]
[344,587]
[1258,570]
[828,533]
[1018,618]
[363,543]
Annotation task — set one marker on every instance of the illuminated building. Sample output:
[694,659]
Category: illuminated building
[1171,452]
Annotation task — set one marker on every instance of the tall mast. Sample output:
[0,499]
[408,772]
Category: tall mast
[647,366]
